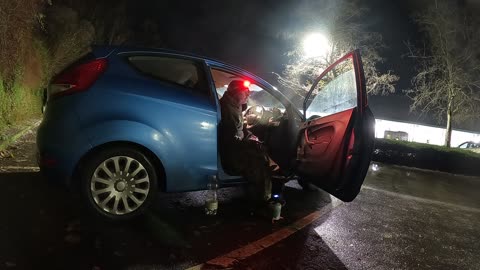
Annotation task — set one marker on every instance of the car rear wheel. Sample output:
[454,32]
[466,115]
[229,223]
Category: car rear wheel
[118,183]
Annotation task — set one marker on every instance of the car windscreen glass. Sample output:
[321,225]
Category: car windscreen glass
[463,145]
[258,95]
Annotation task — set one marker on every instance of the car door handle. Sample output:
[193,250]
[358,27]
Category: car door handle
[306,137]
[316,141]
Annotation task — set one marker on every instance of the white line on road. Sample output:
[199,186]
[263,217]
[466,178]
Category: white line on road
[418,199]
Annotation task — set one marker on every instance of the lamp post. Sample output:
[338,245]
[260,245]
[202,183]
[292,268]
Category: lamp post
[316,45]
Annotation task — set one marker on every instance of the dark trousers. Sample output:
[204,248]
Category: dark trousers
[250,159]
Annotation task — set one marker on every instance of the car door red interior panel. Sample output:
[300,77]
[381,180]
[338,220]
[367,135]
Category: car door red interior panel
[334,151]
[322,142]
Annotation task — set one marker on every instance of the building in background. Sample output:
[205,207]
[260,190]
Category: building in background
[421,133]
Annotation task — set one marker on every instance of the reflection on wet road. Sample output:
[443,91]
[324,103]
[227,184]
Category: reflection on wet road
[45,227]
[402,219]
[438,186]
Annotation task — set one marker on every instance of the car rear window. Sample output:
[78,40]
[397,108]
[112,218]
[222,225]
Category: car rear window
[178,71]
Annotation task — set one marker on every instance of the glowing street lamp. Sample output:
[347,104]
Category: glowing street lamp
[316,45]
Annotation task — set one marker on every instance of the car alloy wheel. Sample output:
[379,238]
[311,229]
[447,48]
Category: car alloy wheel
[120,185]
[118,182]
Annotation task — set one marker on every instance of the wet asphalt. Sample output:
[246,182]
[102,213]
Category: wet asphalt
[402,219]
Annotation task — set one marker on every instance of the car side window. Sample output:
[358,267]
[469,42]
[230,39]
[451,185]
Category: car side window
[178,71]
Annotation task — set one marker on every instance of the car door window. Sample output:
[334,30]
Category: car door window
[335,92]
[178,71]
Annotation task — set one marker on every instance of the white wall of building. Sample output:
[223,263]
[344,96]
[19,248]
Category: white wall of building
[424,134]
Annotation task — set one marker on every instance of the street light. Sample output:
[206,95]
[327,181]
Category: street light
[315,45]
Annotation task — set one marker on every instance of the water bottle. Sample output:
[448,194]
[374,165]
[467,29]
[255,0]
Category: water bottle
[276,208]
[211,202]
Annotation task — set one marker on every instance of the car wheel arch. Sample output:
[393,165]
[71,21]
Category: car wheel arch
[157,163]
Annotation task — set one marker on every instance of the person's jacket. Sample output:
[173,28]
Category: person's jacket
[230,132]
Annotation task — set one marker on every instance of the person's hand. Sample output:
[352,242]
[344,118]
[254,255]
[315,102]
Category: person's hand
[273,122]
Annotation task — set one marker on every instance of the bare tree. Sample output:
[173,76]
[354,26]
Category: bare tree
[154,38]
[68,37]
[110,20]
[447,84]
[17,23]
[344,28]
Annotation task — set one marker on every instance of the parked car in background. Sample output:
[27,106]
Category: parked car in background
[122,124]
[396,135]
[472,146]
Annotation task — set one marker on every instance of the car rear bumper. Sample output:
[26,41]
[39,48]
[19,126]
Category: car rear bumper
[58,152]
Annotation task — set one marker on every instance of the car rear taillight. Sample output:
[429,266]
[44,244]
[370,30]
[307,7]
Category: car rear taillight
[76,79]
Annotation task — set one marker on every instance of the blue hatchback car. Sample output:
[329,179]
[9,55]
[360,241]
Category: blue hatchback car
[122,124]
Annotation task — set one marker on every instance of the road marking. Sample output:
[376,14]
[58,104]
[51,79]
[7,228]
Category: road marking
[244,252]
[429,201]
[19,168]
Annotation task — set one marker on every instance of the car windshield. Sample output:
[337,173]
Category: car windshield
[295,96]
[258,95]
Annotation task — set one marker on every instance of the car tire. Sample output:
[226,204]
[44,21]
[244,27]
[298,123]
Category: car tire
[118,183]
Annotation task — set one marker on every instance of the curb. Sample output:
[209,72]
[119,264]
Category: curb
[15,137]
[227,261]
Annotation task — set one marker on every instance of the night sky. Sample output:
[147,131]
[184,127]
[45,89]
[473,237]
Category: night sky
[256,35]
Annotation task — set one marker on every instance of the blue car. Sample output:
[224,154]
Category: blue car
[122,124]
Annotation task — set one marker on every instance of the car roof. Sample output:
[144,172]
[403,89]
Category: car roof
[104,50]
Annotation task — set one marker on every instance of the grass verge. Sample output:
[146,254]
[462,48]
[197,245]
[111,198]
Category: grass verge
[425,156]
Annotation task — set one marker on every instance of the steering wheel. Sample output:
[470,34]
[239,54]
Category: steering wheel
[276,114]
[254,114]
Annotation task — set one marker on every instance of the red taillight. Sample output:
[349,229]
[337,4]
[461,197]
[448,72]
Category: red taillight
[246,84]
[78,78]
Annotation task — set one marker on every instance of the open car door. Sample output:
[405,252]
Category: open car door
[337,135]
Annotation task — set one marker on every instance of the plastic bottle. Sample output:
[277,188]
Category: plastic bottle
[211,202]
[276,207]
[276,211]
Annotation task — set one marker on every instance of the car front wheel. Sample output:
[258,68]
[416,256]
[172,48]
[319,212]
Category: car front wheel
[118,183]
